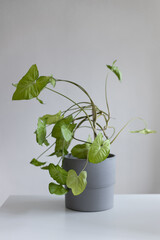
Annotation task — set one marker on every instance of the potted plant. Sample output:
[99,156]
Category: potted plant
[86,175]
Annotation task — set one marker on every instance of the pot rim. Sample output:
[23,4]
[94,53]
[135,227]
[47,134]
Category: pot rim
[75,158]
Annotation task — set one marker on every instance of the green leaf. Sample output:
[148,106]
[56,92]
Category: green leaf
[41,133]
[144,131]
[67,134]
[57,189]
[53,81]
[52,119]
[61,147]
[99,149]
[76,183]
[56,132]
[59,132]
[36,163]
[30,85]
[58,173]
[81,150]
[115,70]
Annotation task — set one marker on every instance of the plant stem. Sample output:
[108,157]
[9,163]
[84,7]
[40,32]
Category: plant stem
[90,127]
[131,120]
[45,151]
[81,140]
[92,103]
[109,115]
[102,130]
[85,164]
[113,131]
[75,104]
[77,85]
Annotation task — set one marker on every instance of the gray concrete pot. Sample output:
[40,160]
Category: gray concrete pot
[99,193]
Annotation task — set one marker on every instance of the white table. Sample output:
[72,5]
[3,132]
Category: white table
[134,217]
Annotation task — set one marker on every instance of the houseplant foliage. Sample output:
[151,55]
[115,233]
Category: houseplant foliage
[56,131]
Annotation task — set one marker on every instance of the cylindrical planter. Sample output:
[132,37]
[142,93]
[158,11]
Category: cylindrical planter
[99,193]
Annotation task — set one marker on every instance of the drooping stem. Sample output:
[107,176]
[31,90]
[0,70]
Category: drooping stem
[45,150]
[84,119]
[89,127]
[113,131]
[77,85]
[109,115]
[102,130]
[85,164]
[131,120]
[75,104]
[79,118]
[80,140]
[79,124]
[94,114]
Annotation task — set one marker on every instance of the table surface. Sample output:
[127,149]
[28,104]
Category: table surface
[45,217]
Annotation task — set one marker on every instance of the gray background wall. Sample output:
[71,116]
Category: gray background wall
[74,39]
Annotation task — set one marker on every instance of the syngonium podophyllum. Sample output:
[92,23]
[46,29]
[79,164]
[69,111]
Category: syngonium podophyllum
[63,126]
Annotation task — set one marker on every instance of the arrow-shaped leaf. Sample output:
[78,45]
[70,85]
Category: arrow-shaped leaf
[30,85]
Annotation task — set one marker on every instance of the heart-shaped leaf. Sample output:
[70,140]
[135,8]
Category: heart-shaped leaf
[30,85]
[81,150]
[99,149]
[41,133]
[52,119]
[58,173]
[144,131]
[76,183]
[36,163]
[57,189]
[115,70]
